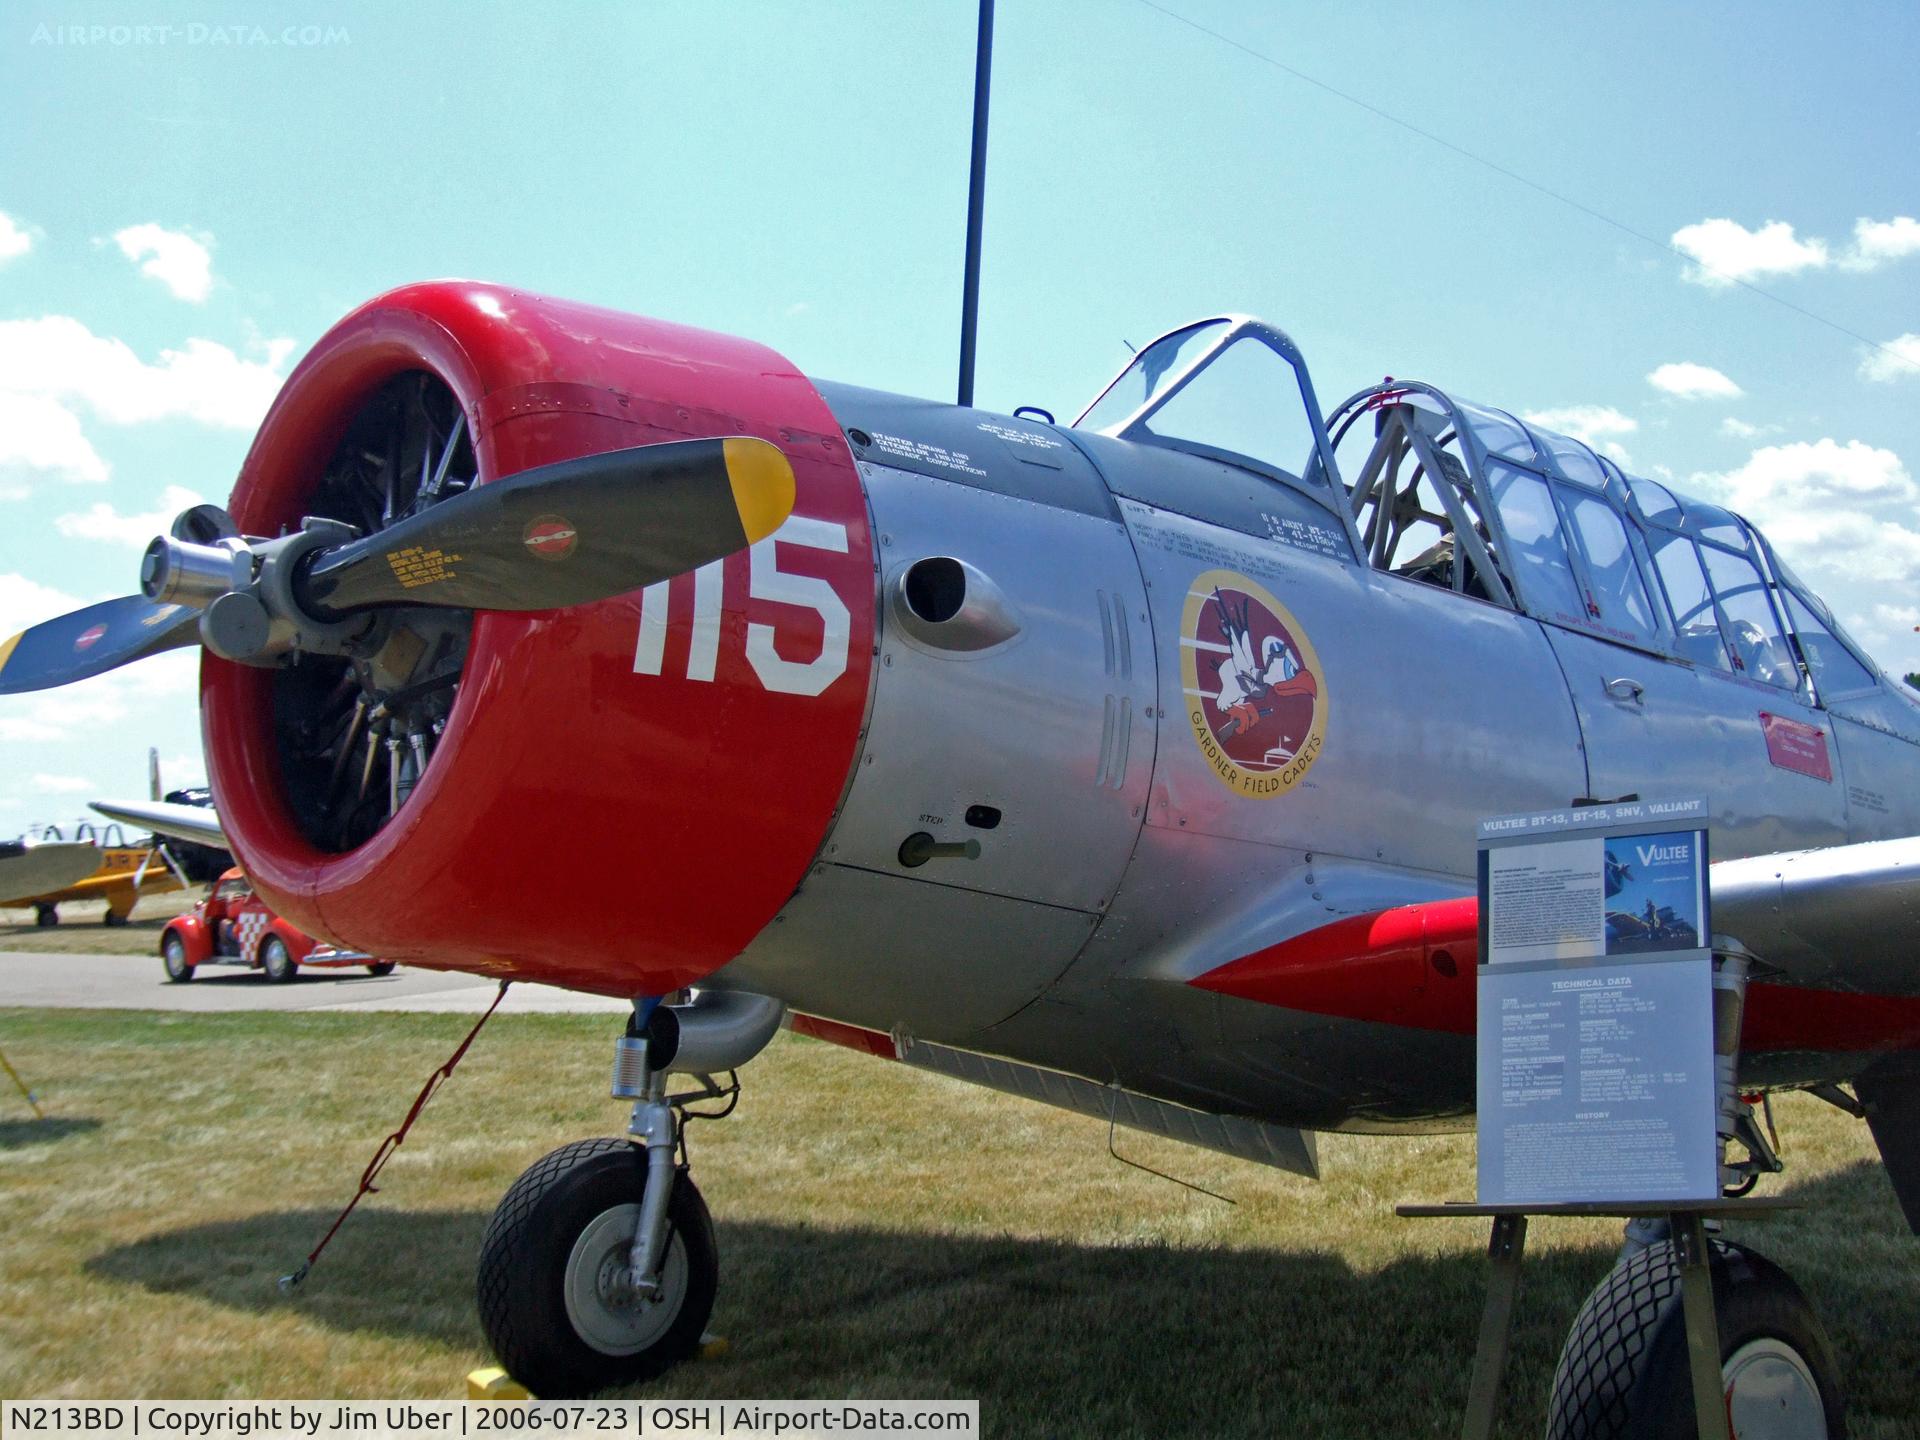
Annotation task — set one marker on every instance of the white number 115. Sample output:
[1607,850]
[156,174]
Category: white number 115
[766,582]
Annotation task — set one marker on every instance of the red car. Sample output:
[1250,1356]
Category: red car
[233,926]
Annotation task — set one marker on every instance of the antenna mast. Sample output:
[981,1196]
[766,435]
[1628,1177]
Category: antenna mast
[976,198]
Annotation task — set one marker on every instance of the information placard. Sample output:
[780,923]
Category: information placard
[1596,1073]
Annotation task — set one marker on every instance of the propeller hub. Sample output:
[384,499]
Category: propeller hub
[180,572]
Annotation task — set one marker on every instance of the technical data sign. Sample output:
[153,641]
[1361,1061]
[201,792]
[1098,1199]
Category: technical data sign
[1596,1065]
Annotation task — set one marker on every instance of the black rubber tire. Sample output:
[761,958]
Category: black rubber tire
[46,916]
[380,968]
[113,920]
[173,956]
[1623,1373]
[277,960]
[523,1260]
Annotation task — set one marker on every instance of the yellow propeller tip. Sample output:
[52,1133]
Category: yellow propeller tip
[762,482]
[6,649]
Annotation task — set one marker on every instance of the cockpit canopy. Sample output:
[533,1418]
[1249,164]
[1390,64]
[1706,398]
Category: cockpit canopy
[1470,498]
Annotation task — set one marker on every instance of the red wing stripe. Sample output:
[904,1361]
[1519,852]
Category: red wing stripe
[1414,966]
[854,1037]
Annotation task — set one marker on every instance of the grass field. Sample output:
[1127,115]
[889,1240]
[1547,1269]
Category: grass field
[883,1234]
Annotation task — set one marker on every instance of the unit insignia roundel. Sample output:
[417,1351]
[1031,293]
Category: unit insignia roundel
[1255,694]
[551,537]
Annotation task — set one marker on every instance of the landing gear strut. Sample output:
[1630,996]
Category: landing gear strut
[557,1298]
[599,1267]
[1624,1371]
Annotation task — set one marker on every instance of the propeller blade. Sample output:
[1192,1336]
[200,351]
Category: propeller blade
[93,641]
[568,533]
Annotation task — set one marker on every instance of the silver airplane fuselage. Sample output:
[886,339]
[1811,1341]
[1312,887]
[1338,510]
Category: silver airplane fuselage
[1094,846]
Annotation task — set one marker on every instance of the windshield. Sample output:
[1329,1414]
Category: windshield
[1152,370]
[1247,401]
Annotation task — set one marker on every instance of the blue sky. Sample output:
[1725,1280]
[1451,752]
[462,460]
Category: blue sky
[797,174]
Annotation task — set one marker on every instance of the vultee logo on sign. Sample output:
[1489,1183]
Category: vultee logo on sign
[1654,854]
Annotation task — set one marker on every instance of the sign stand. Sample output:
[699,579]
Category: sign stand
[32,1099]
[1504,1253]
[1608,1034]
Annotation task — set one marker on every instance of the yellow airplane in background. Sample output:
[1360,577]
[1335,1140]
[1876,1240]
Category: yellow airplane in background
[44,876]
[46,873]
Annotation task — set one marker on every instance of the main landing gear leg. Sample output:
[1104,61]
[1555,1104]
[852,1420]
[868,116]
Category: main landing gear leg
[655,1128]
[1626,1369]
[599,1267]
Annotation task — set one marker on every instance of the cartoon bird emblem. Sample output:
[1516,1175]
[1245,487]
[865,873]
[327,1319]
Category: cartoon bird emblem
[1250,679]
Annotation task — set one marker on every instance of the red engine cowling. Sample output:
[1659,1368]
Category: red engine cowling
[607,809]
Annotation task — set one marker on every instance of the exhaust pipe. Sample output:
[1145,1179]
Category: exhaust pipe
[718,1030]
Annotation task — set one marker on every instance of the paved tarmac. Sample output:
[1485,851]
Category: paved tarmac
[136,982]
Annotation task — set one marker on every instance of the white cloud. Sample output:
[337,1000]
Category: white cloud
[1896,359]
[1685,380]
[1823,470]
[100,521]
[1738,429]
[1590,423]
[1898,617]
[57,357]
[15,239]
[179,261]
[1725,251]
[1879,242]
[183,771]
[1823,504]
[25,602]
[63,785]
[38,433]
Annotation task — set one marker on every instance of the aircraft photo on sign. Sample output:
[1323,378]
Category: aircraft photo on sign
[1654,892]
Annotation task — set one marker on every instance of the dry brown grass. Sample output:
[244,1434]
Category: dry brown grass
[883,1233]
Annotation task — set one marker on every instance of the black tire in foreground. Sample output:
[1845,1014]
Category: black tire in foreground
[173,955]
[46,916]
[1623,1374]
[380,969]
[278,961]
[553,1296]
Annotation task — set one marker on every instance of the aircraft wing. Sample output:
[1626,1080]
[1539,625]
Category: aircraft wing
[186,822]
[29,871]
[1845,919]
[1842,918]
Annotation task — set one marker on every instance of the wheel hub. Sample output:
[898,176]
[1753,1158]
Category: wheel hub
[602,1304]
[1771,1394]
